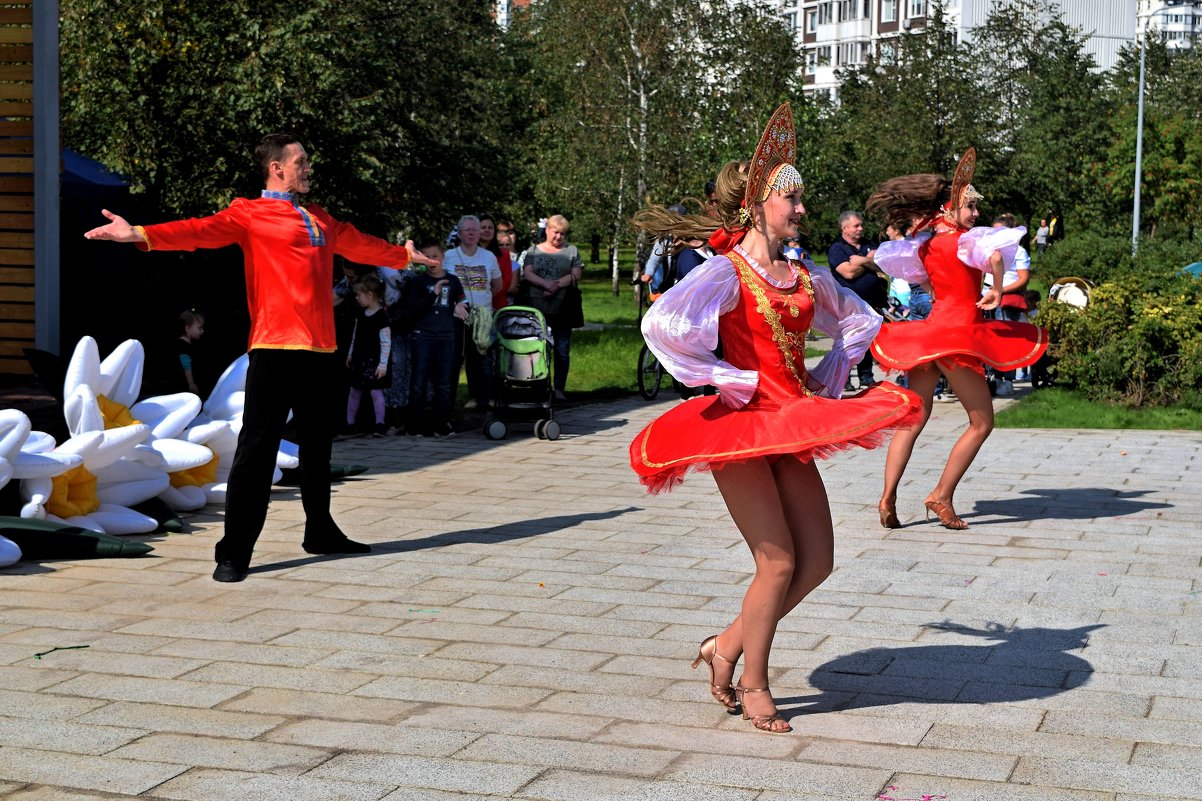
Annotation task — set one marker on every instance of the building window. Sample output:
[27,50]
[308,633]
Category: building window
[811,63]
[845,10]
[888,10]
[825,13]
[824,56]
[811,21]
[867,9]
[918,8]
[888,54]
[791,20]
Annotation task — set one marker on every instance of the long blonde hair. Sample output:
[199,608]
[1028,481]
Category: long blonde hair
[684,228]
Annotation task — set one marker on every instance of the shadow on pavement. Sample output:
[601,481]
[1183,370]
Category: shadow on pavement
[504,532]
[1024,664]
[1076,503]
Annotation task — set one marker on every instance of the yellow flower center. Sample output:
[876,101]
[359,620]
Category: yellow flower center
[73,493]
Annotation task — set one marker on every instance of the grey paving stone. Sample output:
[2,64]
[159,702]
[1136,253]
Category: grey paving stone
[64,736]
[344,736]
[184,720]
[295,703]
[57,793]
[130,688]
[600,757]
[1086,775]
[212,752]
[211,785]
[757,773]
[456,692]
[40,706]
[437,774]
[910,785]
[562,785]
[108,773]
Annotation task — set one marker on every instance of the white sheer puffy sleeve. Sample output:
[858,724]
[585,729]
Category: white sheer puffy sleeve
[849,321]
[899,259]
[681,328]
[978,244]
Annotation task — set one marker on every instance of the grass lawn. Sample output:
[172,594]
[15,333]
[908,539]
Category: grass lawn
[604,360]
[1063,408]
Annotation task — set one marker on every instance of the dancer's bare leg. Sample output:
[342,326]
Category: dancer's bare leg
[805,513]
[922,381]
[972,390]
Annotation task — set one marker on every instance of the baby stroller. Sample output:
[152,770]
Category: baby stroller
[522,373]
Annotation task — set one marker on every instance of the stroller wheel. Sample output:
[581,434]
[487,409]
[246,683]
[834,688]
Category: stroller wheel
[495,429]
[551,430]
[539,429]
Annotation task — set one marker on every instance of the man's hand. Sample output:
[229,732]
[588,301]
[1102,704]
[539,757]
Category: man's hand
[118,230]
[417,256]
[461,311]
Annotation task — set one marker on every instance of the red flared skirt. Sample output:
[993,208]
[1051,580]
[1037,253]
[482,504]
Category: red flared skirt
[704,433]
[1004,344]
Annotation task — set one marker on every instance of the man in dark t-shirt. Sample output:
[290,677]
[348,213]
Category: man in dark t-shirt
[851,261]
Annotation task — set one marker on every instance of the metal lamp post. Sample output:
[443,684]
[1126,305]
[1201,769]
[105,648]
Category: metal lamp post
[1139,122]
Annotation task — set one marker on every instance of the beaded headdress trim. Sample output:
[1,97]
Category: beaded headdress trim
[776,151]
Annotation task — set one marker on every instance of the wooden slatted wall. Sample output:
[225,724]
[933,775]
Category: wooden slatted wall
[16,186]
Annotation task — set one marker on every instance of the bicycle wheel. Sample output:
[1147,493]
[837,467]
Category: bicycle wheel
[651,374]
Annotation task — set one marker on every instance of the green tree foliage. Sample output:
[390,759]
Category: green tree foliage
[912,108]
[639,100]
[396,100]
[1045,107]
[1171,197]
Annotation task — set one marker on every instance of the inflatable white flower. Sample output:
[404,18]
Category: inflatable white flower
[114,385]
[26,454]
[218,425]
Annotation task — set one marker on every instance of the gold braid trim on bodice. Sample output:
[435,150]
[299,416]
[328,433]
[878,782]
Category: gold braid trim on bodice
[789,343]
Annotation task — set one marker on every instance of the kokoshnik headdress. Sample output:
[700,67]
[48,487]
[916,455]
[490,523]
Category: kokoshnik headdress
[771,168]
[963,192]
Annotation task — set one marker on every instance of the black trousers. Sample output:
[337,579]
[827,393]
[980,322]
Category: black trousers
[277,381]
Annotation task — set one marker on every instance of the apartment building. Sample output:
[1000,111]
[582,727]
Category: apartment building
[840,33]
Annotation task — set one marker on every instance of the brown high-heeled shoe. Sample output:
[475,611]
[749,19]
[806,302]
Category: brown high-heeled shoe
[723,695]
[762,722]
[888,512]
[946,514]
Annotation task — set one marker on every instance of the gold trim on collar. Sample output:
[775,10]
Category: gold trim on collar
[786,342]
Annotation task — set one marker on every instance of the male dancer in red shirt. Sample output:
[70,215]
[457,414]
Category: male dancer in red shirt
[289,256]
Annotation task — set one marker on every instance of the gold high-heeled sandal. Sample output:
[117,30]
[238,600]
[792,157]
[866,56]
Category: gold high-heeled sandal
[888,513]
[723,695]
[946,514]
[762,722]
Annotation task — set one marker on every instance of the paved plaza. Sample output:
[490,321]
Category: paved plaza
[524,627]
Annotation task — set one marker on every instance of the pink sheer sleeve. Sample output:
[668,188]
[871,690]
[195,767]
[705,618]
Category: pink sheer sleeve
[978,244]
[845,318]
[899,259]
[681,328]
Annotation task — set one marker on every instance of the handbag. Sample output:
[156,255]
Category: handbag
[1015,300]
[573,306]
[479,322]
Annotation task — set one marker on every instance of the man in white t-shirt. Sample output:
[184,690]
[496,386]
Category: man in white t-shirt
[478,271]
[1014,285]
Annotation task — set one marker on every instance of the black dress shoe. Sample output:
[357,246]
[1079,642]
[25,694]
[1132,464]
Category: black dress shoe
[335,545]
[228,572]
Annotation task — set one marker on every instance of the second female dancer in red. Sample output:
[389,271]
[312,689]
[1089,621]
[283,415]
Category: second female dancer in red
[955,339]
[771,417]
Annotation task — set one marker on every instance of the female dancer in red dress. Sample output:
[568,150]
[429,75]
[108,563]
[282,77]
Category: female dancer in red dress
[771,417]
[956,338]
